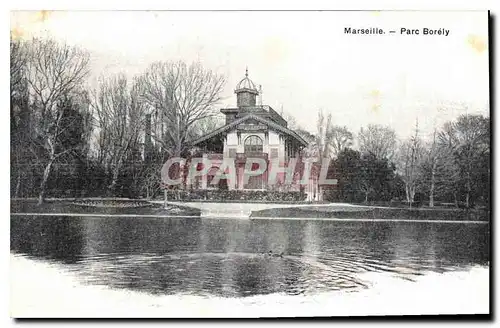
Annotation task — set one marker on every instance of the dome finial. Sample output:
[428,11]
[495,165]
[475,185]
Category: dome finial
[246,83]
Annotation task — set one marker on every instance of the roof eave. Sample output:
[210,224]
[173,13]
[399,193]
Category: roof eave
[238,121]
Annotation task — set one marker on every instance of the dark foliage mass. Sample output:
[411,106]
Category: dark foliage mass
[363,178]
[237,195]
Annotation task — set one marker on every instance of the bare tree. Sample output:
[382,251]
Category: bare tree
[323,138]
[120,118]
[206,125]
[432,157]
[53,71]
[377,140]
[321,146]
[151,178]
[19,110]
[438,169]
[290,119]
[310,138]
[410,157]
[18,58]
[180,96]
[341,138]
[329,139]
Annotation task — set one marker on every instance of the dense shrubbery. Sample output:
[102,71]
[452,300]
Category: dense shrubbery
[236,195]
[87,179]
[122,203]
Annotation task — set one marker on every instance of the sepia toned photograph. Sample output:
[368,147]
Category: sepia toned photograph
[249,164]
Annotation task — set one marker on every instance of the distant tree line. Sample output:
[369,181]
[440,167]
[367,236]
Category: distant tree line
[69,139]
[452,167]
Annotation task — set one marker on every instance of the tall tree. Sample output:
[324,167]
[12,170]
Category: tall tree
[75,141]
[19,114]
[53,71]
[180,95]
[375,177]
[363,177]
[206,125]
[377,140]
[321,146]
[410,157]
[347,167]
[120,115]
[18,57]
[323,138]
[438,171]
[468,138]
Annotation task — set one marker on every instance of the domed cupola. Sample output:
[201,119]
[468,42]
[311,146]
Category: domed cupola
[246,92]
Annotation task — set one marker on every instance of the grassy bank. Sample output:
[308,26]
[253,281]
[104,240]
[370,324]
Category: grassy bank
[360,212]
[101,206]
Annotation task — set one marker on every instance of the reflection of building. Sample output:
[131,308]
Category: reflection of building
[252,130]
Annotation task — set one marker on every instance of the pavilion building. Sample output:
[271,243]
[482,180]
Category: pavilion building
[251,130]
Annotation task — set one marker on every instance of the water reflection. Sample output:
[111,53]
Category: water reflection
[53,238]
[229,257]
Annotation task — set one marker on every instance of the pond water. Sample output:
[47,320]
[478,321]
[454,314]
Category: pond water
[230,258]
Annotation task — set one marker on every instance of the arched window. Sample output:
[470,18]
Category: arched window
[253,144]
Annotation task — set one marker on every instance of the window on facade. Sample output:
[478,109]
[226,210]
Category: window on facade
[253,144]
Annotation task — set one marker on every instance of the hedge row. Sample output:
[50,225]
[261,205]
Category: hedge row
[236,195]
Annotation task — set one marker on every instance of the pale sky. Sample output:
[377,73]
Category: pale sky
[303,60]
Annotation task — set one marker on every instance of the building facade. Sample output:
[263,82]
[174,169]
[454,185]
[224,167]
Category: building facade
[251,130]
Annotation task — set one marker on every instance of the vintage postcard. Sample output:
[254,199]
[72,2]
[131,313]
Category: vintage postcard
[192,164]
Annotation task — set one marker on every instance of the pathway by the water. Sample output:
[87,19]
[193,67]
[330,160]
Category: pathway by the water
[243,210]
[237,210]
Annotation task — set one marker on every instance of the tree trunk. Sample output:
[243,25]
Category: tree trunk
[433,185]
[165,197]
[467,195]
[114,182]
[112,187]
[18,185]
[407,190]
[410,197]
[43,184]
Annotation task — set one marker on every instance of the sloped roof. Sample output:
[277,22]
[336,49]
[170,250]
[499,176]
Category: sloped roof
[234,123]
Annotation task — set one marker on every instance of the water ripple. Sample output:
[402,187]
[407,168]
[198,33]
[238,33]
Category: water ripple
[228,258]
